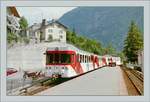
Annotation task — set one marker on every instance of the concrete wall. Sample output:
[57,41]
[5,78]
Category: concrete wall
[29,57]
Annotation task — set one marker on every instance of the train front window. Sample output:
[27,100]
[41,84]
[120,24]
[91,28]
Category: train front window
[57,58]
[49,58]
[65,58]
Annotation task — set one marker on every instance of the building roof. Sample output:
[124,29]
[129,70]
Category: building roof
[14,11]
[39,26]
[55,21]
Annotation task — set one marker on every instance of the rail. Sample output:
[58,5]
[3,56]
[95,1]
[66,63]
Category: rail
[136,78]
[41,85]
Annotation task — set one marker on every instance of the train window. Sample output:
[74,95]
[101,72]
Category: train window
[91,58]
[56,59]
[80,58]
[65,58]
[49,58]
[86,59]
[83,58]
[72,58]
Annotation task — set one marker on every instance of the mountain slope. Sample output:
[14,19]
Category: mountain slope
[105,24]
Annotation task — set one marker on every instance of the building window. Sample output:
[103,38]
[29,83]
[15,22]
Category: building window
[50,30]
[61,36]
[61,31]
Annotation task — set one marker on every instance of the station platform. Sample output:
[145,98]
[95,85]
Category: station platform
[103,81]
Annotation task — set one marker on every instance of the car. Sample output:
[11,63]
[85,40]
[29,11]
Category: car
[11,71]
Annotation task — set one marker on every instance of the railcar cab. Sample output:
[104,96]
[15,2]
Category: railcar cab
[58,61]
[59,57]
[112,62]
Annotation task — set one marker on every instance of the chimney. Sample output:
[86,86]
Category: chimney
[43,22]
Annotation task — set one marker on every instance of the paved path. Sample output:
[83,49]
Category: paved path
[104,81]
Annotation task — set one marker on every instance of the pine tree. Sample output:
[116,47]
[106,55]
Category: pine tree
[133,43]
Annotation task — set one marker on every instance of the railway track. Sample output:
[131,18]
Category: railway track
[138,74]
[136,79]
[40,85]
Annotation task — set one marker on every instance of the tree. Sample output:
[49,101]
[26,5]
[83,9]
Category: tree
[133,43]
[23,23]
[122,56]
[84,43]
[110,49]
[11,37]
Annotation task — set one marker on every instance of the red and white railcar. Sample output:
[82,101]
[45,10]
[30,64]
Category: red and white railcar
[65,60]
[112,60]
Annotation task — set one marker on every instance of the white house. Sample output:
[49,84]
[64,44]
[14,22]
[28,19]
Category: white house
[55,31]
[49,31]
[13,18]
[31,31]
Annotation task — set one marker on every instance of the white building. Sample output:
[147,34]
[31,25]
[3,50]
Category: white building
[31,31]
[141,59]
[48,31]
[13,17]
[56,31]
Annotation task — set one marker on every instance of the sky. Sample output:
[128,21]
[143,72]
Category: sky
[36,14]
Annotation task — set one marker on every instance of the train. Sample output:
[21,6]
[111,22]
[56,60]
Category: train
[65,60]
[112,61]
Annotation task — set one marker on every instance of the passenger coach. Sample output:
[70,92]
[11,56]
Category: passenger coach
[65,60]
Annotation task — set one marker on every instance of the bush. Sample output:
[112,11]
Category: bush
[11,37]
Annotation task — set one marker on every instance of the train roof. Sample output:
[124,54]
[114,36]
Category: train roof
[65,46]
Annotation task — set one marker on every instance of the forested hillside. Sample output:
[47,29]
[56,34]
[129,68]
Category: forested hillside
[89,45]
[108,25]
